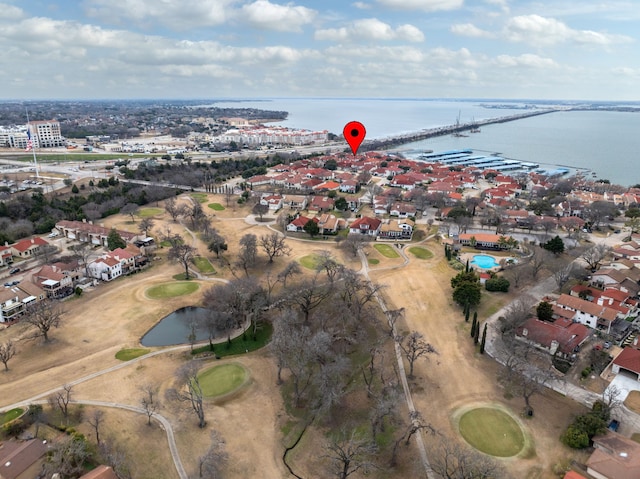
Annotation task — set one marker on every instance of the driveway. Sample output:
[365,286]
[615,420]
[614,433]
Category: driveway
[625,385]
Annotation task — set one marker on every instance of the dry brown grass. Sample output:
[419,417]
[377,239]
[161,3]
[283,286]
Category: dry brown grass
[633,401]
[116,315]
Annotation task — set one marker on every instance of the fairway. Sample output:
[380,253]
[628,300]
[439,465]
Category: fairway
[216,206]
[223,379]
[386,251]
[171,290]
[10,415]
[492,431]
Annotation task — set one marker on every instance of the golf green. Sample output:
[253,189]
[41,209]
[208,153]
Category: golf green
[171,290]
[223,379]
[492,431]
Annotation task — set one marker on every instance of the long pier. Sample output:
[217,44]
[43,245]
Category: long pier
[382,143]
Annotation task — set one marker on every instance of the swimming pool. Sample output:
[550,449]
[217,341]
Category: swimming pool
[484,261]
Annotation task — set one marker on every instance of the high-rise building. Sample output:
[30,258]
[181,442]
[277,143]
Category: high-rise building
[47,133]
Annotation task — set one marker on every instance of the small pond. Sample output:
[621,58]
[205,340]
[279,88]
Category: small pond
[175,328]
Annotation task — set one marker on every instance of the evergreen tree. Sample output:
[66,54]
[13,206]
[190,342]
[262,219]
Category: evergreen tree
[467,312]
[466,268]
[476,335]
[484,338]
[474,324]
[114,240]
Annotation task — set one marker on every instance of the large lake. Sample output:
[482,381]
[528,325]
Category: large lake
[606,142]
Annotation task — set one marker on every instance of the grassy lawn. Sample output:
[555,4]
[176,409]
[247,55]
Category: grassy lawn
[10,415]
[310,261]
[216,206]
[492,431]
[129,354]
[421,253]
[386,250]
[203,265]
[373,261]
[148,212]
[222,379]
[171,290]
[240,345]
[199,197]
[73,156]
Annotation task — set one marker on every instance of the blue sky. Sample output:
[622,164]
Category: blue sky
[548,49]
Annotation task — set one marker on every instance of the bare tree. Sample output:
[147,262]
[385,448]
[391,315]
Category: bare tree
[515,314]
[451,460]
[415,425]
[82,251]
[145,225]
[354,243]
[326,262]
[130,209]
[7,351]
[291,269]
[61,400]
[538,260]
[180,252]
[248,252]
[150,402]
[593,256]
[414,347]
[67,458]
[516,273]
[274,245]
[260,210]
[308,295]
[95,421]
[116,458]
[214,460]
[350,453]
[173,208]
[189,391]
[217,243]
[563,271]
[393,315]
[44,315]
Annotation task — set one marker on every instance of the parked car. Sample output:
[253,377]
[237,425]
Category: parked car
[14,270]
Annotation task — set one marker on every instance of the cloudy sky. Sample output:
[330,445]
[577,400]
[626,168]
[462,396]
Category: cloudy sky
[547,49]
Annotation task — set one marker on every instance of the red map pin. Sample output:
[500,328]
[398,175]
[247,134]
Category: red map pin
[354,132]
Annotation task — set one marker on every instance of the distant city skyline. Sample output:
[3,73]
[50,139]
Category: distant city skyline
[127,49]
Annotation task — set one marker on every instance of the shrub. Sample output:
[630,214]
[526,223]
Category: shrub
[14,428]
[575,437]
[497,284]
[585,372]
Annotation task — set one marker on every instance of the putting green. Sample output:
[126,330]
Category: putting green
[171,290]
[492,431]
[223,379]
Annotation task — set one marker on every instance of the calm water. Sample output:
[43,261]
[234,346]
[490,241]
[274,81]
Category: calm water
[607,143]
[175,328]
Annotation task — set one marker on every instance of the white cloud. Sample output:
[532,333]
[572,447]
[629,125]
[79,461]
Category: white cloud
[271,16]
[425,5]
[361,5]
[525,60]
[174,15]
[538,30]
[10,12]
[371,29]
[469,30]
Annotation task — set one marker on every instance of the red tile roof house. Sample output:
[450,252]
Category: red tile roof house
[366,226]
[626,280]
[297,225]
[28,247]
[561,337]
[53,281]
[614,457]
[482,240]
[321,203]
[629,361]
[588,313]
[273,202]
[106,268]
[17,457]
[89,233]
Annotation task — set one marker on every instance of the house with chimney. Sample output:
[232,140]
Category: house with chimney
[561,338]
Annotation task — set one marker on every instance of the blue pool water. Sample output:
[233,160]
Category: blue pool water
[484,261]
